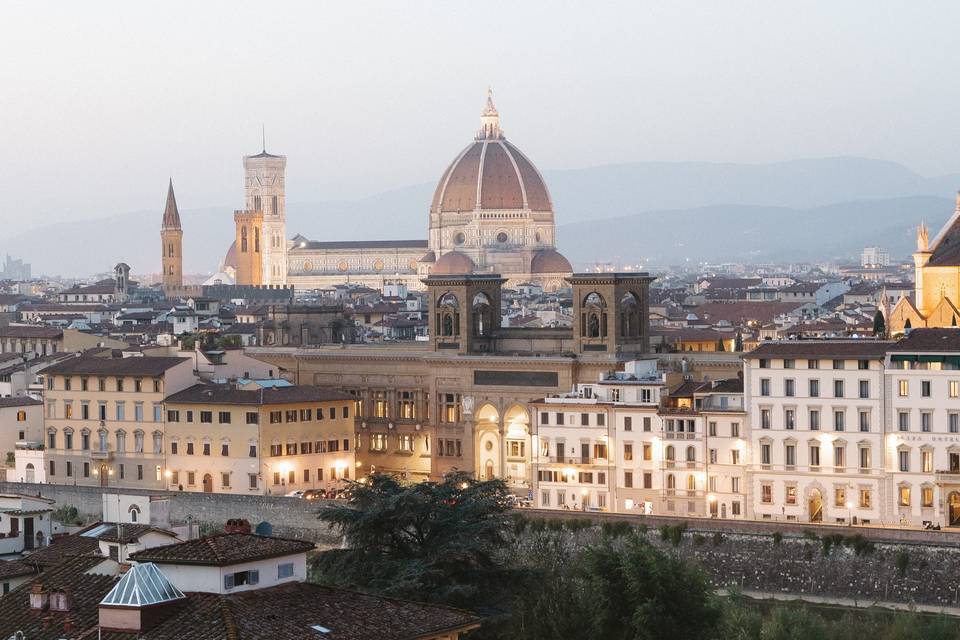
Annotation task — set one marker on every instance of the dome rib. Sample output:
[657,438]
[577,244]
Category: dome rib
[516,169]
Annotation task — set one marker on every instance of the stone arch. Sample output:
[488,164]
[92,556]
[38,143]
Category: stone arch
[630,315]
[481,314]
[448,315]
[593,316]
[488,414]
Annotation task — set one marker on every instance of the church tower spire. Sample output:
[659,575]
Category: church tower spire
[171,243]
[489,120]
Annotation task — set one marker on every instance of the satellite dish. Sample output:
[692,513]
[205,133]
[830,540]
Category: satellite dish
[264,529]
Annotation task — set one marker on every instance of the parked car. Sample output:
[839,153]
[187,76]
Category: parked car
[296,494]
[313,494]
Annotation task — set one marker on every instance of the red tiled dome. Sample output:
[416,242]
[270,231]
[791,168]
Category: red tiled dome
[491,174]
[453,263]
[550,261]
[230,260]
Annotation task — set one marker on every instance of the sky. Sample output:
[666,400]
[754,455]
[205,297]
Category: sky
[101,101]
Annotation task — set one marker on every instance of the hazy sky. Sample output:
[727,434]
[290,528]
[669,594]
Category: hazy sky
[101,101]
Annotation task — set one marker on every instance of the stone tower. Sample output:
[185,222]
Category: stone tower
[171,236]
[265,192]
[249,243]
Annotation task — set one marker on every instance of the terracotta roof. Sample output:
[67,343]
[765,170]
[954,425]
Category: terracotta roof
[87,588]
[930,340]
[550,261]
[23,401]
[872,349]
[223,394]
[453,263]
[491,174]
[15,569]
[63,548]
[739,312]
[223,549]
[32,331]
[299,610]
[133,366]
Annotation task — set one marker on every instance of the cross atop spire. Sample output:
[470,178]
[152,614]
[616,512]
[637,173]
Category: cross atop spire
[171,216]
[489,120]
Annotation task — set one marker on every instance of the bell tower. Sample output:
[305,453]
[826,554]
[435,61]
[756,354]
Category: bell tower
[171,236]
[265,193]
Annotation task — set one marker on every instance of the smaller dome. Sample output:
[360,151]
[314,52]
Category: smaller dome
[230,260]
[453,263]
[550,261]
[429,257]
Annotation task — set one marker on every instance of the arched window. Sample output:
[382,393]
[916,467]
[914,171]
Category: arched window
[593,318]
[482,315]
[256,239]
[691,483]
[629,316]
[670,454]
[671,481]
[448,315]
[170,249]
[691,454]
[243,239]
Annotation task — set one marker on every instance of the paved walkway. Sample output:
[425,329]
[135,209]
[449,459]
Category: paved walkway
[846,602]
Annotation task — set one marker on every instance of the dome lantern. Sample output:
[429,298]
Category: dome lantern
[489,121]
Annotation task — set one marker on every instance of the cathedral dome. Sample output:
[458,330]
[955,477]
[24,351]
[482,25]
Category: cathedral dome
[550,261]
[490,174]
[453,263]
[230,260]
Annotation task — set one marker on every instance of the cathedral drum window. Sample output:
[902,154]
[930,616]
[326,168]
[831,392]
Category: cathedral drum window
[412,265]
[342,266]
[307,266]
[378,265]
[459,238]
[538,236]
[502,237]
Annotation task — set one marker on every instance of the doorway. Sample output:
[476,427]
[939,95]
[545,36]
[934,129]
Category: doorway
[207,483]
[816,506]
[104,472]
[953,503]
[28,533]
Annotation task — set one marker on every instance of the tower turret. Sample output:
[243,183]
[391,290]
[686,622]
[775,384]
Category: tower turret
[171,236]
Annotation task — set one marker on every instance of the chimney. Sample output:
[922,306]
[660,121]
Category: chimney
[39,599]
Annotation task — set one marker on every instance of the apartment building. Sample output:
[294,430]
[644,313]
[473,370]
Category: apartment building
[104,420]
[816,436]
[922,460]
[273,440]
[626,444]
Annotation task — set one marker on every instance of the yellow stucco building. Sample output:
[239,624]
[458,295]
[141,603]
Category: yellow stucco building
[936,281]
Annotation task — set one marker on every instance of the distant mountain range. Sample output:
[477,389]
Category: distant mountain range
[667,213]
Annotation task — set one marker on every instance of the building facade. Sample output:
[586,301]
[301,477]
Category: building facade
[225,439]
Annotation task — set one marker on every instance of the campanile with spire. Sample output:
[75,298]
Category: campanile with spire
[171,236]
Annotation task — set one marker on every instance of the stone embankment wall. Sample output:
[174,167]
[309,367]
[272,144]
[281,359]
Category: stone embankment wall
[290,517]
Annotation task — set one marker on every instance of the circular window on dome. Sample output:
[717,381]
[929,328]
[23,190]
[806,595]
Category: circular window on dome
[308,266]
[378,265]
[459,238]
[502,237]
[538,237]
[342,265]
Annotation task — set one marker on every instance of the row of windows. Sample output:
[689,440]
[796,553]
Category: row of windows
[119,411]
[86,470]
[791,363]
[813,388]
[102,440]
[813,420]
[307,448]
[116,384]
[560,419]
[586,499]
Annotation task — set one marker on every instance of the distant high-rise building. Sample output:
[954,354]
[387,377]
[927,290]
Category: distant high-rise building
[874,257]
[171,236]
[15,269]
